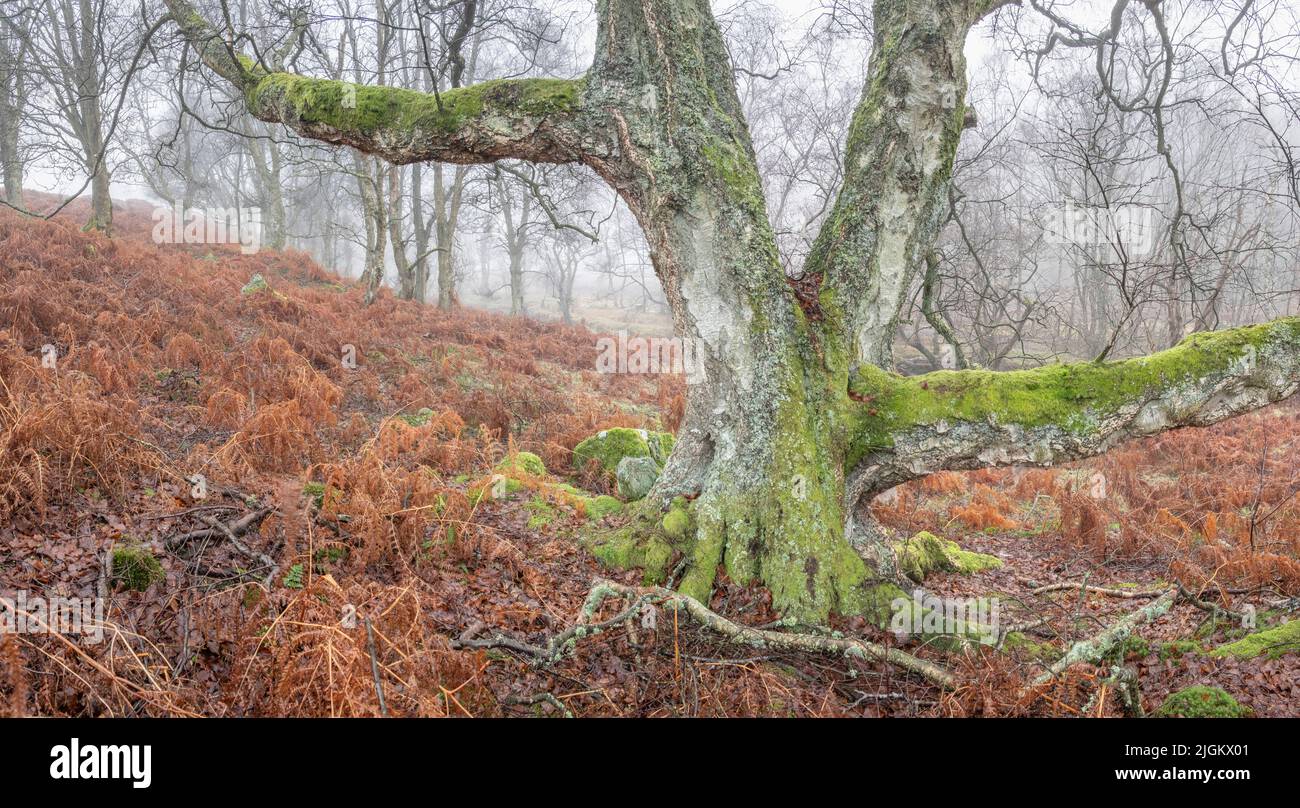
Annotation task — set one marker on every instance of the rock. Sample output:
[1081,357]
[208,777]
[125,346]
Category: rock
[525,462]
[925,553]
[636,476]
[610,446]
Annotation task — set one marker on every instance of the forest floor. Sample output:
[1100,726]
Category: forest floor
[361,447]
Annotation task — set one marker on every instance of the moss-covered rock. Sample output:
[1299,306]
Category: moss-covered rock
[636,476]
[1200,701]
[525,462]
[610,446]
[925,553]
[135,568]
[1275,641]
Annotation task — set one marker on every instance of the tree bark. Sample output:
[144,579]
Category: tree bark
[793,418]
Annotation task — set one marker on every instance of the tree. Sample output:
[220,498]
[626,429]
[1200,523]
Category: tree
[13,100]
[79,53]
[795,421]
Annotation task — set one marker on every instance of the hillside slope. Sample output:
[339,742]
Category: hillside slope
[357,446]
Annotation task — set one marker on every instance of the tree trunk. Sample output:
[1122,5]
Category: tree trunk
[793,418]
[369,173]
[94,147]
[267,170]
[13,99]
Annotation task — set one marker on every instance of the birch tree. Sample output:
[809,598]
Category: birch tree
[794,420]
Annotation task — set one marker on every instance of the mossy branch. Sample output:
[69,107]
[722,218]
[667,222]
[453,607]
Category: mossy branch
[529,119]
[909,427]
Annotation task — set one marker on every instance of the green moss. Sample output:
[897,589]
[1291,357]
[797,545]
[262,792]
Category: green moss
[875,602]
[1070,396]
[135,568]
[637,543]
[1021,645]
[525,462]
[420,418]
[598,508]
[1275,642]
[678,523]
[612,445]
[925,553]
[368,109]
[1132,646]
[732,164]
[1200,701]
[542,512]
[1177,649]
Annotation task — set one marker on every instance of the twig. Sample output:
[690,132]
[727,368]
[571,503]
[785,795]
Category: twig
[528,701]
[237,527]
[374,669]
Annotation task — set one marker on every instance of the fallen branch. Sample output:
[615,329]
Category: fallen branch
[234,539]
[1101,590]
[548,698]
[1206,606]
[237,528]
[1094,648]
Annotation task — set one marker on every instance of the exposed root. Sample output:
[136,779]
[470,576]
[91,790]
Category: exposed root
[602,590]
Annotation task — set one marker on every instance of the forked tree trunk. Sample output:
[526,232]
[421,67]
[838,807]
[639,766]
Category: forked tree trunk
[794,421]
